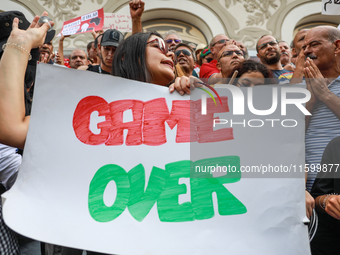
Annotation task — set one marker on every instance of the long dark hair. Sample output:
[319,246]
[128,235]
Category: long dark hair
[129,58]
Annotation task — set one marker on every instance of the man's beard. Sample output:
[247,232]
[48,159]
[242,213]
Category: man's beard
[272,60]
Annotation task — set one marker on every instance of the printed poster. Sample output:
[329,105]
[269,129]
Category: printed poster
[84,24]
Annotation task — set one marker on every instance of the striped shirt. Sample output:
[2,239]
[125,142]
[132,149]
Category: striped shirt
[323,127]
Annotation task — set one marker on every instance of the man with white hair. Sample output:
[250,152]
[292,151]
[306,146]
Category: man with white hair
[171,39]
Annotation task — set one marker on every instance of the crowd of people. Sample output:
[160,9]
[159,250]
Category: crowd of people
[313,58]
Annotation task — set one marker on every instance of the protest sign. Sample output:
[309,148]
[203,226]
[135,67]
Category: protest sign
[87,183]
[121,22]
[84,24]
[330,7]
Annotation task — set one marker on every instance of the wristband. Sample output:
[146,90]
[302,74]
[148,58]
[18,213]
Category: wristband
[19,47]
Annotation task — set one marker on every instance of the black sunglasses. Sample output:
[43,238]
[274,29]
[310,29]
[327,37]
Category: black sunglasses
[229,53]
[264,45]
[185,52]
[221,41]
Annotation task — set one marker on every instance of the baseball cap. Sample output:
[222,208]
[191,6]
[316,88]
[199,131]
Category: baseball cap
[205,51]
[6,21]
[112,37]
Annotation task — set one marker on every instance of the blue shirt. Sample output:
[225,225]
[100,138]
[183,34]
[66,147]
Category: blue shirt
[282,76]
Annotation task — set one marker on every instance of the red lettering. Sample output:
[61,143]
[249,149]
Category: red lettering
[180,116]
[81,120]
[148,124]
[156,112]
[204,127]
[134,135]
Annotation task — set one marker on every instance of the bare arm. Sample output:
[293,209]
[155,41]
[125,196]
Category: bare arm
[84,68]
[215,78]
[13,123]
[298,72]
[329,204]
[95,34]
[310,104]
[309,204]
[136,11]
[184,84]
[61,49]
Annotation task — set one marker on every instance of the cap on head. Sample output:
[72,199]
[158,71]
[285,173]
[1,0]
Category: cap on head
[200,46]
[112,37]
[6,21]
[205,51]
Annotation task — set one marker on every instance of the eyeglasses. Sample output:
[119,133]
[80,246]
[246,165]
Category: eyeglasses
[229,53]
[171,40]
[208,59]
[185,52]
[264,45]
[221,41]
[160,45]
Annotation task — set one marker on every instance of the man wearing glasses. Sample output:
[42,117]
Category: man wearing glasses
[210,70]
[229,60]
[171,39]
[269,53]
[185,60]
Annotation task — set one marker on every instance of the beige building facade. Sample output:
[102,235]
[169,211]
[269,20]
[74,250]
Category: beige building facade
[196,21]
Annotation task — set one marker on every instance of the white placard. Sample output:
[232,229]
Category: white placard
[65,195]
[121,22]
[330,7]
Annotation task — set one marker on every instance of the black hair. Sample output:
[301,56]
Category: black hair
[89,45]
[257,43]
[254,66]
[96,41]
[129,60]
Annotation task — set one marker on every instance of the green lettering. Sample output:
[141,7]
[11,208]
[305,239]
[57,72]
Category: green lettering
[141,202]
[204,184]
[169,210]
[98,210]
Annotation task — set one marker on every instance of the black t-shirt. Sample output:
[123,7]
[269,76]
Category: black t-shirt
[327,236]
[328,179]
[96,69]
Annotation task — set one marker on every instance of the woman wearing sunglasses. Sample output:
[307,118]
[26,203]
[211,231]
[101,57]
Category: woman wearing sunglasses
[144,57]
